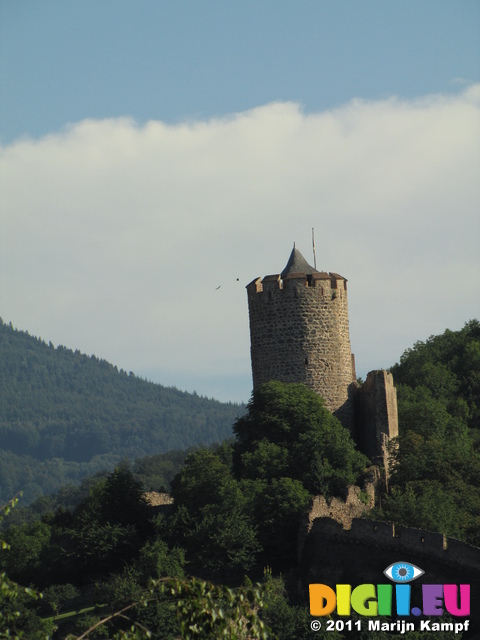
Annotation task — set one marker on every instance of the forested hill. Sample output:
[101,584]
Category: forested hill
[435,483]
[64,415]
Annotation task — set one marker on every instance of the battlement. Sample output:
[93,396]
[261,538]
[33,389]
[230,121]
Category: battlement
[334,555]
[397,539]
[319,280]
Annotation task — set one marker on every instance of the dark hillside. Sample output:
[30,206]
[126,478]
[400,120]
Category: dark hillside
[62,412]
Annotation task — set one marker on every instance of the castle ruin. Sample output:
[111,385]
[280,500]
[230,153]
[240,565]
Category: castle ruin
[299,332]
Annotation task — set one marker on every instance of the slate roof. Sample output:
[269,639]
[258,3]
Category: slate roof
[297,264]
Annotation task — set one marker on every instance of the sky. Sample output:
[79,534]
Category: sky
[155,157]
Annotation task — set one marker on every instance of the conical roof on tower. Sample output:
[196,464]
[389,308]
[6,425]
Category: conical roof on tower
[297,264]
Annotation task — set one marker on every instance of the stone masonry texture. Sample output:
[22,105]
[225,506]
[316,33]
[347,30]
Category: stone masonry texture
[299,333]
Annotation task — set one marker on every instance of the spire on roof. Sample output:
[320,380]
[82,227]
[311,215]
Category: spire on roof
[297,264]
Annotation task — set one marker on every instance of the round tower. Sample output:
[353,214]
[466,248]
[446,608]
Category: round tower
[299,333]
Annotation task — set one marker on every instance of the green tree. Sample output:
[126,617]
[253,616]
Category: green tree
[212,612]
[449,366]
[18,619]
[211,518]
[109,525]
[59,596]
[25,560]
[156,560]
[287,621]
[288,432]
[121,589]
[101,548]
[437,463]
[276,507]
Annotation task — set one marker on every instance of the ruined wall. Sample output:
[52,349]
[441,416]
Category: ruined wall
[376,416]
[157,498]
[355,505]
[342,511]
[159,502]
[299,333]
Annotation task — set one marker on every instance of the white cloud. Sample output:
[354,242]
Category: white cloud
[115,237]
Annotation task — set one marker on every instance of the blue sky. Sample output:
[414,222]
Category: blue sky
[66,61]
[153,151]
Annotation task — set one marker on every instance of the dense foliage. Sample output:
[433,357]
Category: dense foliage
[436,477]
[288,432]
[65,415]
[152,472]
[241,504]
[226,520]
[106,566]
[109,566]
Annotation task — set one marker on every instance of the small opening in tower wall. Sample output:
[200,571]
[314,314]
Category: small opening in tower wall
[306,360]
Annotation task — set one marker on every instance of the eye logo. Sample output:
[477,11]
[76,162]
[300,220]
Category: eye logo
[403,572]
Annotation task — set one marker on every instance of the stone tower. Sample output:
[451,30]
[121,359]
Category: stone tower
[299,333]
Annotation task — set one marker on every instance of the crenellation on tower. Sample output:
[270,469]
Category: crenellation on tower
[255,285]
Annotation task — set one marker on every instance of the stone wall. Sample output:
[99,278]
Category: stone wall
[159,502]
[356,504]
[299,333]
[157,498]
[333,555]
[376,416]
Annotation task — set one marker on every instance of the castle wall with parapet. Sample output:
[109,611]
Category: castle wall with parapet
[299,332]
[332,555]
